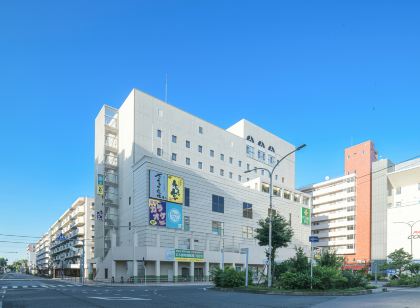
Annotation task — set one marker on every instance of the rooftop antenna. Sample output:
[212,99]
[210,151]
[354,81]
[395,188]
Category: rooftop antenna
[166,88]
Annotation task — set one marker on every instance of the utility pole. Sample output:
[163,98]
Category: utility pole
[270,213]
[82,262]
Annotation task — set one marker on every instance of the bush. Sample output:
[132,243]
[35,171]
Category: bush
[404,280]
[329,278]
[293,280]
[230,278]
[355,279]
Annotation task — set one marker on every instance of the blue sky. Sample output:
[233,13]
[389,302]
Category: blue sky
[326,73]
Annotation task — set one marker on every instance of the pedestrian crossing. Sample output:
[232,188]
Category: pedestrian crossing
[45,286]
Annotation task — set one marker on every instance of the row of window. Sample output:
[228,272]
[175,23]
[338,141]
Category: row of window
[271,160]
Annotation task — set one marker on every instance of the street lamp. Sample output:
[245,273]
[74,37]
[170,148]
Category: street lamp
[270,173]
[411,225]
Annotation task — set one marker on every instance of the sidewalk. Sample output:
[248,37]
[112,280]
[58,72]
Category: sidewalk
[151,284]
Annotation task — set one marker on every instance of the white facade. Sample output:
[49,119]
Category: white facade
[31,257]
[147,134]
[60,250]
[333,213]
[404,209]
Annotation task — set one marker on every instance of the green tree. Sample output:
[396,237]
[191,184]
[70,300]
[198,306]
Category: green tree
[281,233]
[414,268]
[399,261]
[3,262]
[329,258]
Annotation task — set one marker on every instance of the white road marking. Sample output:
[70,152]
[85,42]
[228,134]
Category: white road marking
[124,298]
[24,286]
[4,287]
[70,285]
[14,287]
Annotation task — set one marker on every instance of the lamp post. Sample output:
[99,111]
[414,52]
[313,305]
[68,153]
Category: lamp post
[411,225]
[270,173]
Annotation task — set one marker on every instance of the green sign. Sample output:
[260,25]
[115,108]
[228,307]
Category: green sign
[306,216]
[189,255]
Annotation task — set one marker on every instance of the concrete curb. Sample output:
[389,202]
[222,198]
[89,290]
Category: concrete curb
[295,293]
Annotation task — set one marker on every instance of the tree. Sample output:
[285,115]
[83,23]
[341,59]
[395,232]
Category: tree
[281,233]
[399,260]
[329,258]
[414,268]
[3,262]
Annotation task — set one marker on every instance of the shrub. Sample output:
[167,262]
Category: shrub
[329,278]
[355,279]
[230,278]
[293,280]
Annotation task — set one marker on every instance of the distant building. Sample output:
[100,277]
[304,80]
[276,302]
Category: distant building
[395,206]
[342,206]
[31,257]
[172,199]
[69,242]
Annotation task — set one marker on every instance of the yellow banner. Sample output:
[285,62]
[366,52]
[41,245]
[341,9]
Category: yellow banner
[100,190]
[190,259]
[175,189]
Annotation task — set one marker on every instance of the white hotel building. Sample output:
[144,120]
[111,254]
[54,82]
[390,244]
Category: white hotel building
[146,137]
[333,213]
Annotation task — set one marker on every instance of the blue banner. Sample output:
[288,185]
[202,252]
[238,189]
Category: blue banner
[173,215]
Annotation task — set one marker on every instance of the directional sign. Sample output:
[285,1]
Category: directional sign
[314,239]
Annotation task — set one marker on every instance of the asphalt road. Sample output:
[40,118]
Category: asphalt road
[18,290]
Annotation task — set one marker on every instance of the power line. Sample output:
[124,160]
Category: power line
[16,235]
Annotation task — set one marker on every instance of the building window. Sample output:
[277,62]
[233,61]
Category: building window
[222,157]
[187,144]
[276,191]
[239,178]
[211,153]
[350,189]
[187,161]
[230,175]
[240,164]
[159,133]
[129,200]
[106,273]
[173,138]
[247,232]
[286,195]
[187,196]
[200,130]
[350,218]
[200,165]
[159,152]
[350,246]
[248,167]
[350,199]
[418,186]
[397,203]
[174,156]
[186,223]
[350,228]
[247,210]
[222,172]
[350,236]
[261,144]
[218,204]
[282,179]
[271,160]
[276,177]
[129,225]
[350,208]
[200,149]
[265,188]
[250,151]
[211,169]
[217,227]
[230,160]
[398,190]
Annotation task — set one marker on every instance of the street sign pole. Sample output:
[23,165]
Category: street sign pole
[245,251]
[311,265]
[312,239]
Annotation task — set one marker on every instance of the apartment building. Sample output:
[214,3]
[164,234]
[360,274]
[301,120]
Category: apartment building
[31,257]
[172,199]
[333,213]
[69,243]
[342,206]
[395,208]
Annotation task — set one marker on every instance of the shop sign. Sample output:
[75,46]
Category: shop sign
[157,212]
[158,185]
[173,215]
[306,216]
[187,255]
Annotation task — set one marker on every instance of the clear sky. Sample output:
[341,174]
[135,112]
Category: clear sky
[326,73]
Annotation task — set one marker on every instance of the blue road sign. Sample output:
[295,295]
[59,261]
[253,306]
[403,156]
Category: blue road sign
[314,239]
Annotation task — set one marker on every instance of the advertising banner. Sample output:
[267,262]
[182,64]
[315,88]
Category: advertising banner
[306,216]
[187,255]
[173,216]
[175,189]
[158,185]
[100,185]
[157,212]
